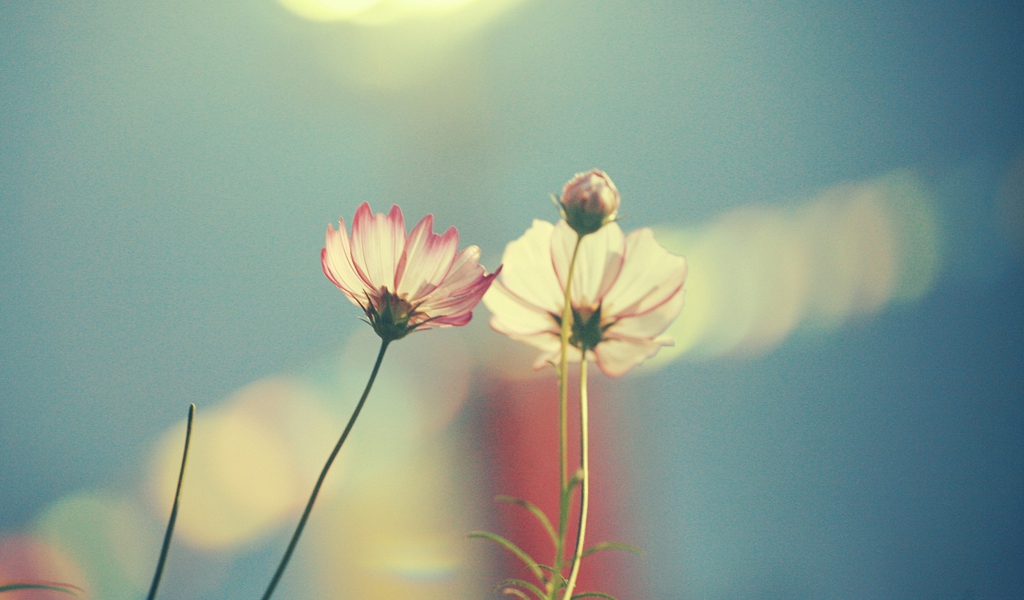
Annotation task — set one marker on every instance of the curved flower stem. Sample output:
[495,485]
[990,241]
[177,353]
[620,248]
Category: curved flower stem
[323,474]
[585,483]
[174,508]
[563,426]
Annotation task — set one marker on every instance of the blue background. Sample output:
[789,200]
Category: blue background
[167,170]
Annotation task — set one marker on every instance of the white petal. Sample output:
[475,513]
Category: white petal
[528,272]
[650,276]
[426,260]
[377,245]
[512,315]
[551,346]
[598,264]
[651,323]
[617,356]
[563,240]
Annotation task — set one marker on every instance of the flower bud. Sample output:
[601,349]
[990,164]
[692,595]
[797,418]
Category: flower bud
[589,201]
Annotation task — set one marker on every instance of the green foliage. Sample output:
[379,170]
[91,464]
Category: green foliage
[526,558]
[511,591]
[505,587]
[550,579]
[612,546]
[537,512]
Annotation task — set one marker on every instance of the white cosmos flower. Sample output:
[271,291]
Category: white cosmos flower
[626,290]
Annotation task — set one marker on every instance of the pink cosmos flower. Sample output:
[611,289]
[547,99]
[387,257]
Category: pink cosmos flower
[626,290]
[404,283]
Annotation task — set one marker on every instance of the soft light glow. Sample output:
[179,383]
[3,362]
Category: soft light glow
[327,10]
[397,44]
[371,12]
[396,528]
[399,530]
[108,537]
[249,464]
[758,274]
[24,559]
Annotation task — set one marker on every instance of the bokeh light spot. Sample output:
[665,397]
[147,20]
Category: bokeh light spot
[249,465]
[108,537]
[24,559]
[759,274]
[327,10]
[370,12]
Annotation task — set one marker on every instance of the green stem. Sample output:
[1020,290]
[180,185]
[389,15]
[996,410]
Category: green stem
[585,483]
[563,426]
[174,508]
[563,377]
[323,474]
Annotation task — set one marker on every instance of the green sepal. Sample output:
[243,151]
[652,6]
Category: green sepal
[594,595]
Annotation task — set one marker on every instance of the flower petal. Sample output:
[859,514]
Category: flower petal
[456,307]
[512,315]
[336,260]
[617,356]
[453,300]
[563,240]
[464,274]
[598,264]
[377,245]
[528,272]
[426,260]
[550,346]
[651,323]
[650,275]
[551,357]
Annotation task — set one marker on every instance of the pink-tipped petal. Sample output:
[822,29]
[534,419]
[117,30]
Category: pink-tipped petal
[463,276]
[463,301]
[377,245]
[454,320]
[427,259]
[336,261]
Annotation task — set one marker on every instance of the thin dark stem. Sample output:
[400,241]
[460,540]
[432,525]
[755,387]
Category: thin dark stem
[174,508]
[323,474]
